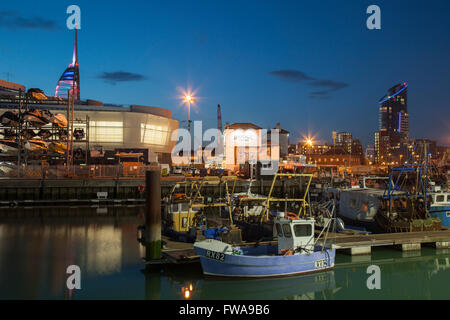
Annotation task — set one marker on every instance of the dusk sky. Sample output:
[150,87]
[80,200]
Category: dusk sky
[313,66]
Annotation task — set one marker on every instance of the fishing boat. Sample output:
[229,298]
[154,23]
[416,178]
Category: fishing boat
[36,145]
[297,252]
[440,206]
[57,147]
[10,118]
[59,120]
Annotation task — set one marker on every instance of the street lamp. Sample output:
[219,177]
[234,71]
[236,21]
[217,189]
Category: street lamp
[309,143]
[189,99]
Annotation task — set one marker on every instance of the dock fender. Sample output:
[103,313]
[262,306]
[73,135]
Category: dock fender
[340,224]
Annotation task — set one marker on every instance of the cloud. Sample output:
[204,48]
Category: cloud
[120,76]
[326,86]
[13,20]
[291,75]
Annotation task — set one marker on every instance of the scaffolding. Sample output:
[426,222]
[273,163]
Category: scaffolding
[21,136]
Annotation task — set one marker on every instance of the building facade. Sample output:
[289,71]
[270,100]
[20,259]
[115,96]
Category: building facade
[112,128]
[392,139]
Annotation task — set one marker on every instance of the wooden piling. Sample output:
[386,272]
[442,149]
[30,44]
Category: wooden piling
[153,214]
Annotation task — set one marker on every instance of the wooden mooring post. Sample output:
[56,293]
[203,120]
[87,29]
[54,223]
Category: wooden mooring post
[153,214]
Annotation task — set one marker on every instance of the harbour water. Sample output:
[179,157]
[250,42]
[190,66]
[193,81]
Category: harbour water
[37,246]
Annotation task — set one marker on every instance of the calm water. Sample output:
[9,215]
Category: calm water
[36,249]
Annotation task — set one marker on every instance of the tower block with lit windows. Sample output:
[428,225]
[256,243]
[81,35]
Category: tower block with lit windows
[71,76]
[393,136]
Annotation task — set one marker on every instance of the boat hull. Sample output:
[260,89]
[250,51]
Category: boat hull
[264,266]
[442,213]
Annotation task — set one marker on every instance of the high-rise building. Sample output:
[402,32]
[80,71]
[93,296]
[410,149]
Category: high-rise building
[393,136]
[382,146]
[70,79]
[345,140]
[393,116]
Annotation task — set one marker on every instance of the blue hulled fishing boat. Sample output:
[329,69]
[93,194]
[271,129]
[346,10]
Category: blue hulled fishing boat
[297,252]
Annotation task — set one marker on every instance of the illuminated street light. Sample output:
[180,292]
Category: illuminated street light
[189,99]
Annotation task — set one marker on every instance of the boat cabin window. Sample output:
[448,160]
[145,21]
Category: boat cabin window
[175,207]
[440,198]
[279,231]
[302,230]
[353,203]
[184,206]
[287,231]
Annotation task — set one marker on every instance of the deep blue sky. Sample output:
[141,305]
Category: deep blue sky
[229,50]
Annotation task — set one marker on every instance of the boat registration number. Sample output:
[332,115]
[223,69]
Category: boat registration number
[215,255]
[320,264]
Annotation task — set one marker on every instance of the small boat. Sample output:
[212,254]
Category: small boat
[57,147]
[297,252]
[440,206]
[44,133]
[37,94]
[59,120]
[8,145]
[9,133]
[36,145]
[10,118]
[36,118]
[28,134]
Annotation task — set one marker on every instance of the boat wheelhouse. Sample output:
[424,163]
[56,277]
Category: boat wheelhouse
[440,206]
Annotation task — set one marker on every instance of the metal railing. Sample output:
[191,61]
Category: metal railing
[75,171]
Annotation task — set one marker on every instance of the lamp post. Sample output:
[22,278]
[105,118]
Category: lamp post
[189,99]
[309,142]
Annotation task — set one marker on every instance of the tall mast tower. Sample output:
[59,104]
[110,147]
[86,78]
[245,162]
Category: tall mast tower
[70,79]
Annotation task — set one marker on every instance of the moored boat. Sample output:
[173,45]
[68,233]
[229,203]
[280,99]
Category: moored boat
[297,252]
[10,118]
[440,206]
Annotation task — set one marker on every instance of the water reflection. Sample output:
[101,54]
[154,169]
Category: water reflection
[36,249]
[403,277]
[35,252]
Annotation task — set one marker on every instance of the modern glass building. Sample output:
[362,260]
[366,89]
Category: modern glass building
[393,116]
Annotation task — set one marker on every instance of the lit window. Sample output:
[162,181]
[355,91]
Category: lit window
[106,131]
[154,134]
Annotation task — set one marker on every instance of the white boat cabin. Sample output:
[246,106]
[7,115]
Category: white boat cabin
[293,234]
[439,198]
